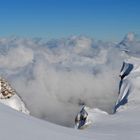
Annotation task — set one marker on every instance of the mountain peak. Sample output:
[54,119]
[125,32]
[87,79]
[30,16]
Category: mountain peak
[129,37]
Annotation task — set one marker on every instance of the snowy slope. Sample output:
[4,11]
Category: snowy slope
[123,125]
[16,103]
[9,97]
[15,125]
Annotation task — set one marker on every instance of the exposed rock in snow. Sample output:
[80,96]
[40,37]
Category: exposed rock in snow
[87,116]
[8,96]
[6,91]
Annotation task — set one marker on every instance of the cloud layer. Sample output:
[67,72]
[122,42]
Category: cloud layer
[55,77]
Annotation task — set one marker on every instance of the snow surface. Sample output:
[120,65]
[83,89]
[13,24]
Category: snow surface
[122,125]
[16,103]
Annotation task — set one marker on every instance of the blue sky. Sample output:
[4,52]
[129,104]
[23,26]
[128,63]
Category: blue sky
[100,19]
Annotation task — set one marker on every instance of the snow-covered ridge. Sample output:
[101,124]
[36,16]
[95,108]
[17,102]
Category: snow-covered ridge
[9,97]
[87,116]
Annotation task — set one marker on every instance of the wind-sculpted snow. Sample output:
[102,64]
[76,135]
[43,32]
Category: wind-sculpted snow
[55,77]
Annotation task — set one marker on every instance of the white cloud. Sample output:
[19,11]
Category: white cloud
[55,77]
[16,57]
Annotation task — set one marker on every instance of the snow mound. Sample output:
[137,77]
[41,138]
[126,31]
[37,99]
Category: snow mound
[16,103]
